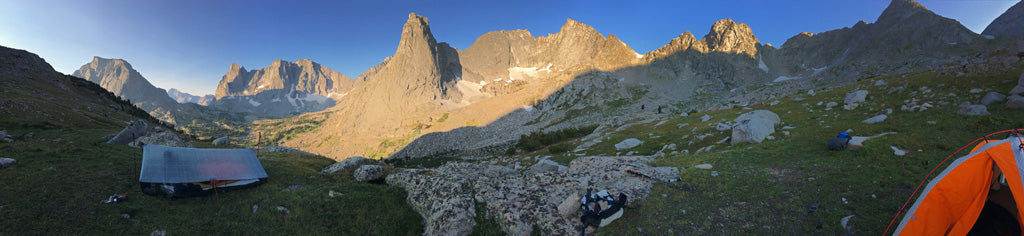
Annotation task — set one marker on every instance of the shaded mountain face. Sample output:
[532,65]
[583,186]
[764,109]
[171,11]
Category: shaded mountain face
[1009,24]
[906,36]
[283,88]
[183,97]
[118,77]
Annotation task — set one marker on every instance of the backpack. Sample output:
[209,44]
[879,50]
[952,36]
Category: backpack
[594,215]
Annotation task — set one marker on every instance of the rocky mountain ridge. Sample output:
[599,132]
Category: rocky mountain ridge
[284,88]
[726,68]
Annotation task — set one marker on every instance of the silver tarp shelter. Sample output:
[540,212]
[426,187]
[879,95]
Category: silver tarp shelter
[163,165]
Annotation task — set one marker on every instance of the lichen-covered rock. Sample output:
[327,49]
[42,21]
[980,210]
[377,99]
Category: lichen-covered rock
[368,173]
[752,130]
[445,196]
[544,165]
[347,165]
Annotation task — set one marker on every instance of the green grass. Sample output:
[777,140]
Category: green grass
[88,170]
[765,189]
[65,169]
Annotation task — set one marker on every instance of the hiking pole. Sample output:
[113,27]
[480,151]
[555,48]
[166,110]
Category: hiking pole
[657,180]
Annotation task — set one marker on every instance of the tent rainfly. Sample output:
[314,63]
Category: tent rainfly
[978,194]
[187,172]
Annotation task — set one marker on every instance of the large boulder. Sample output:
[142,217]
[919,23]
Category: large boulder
[133,131]
[763,114]
[856,97]
[222,141]
[992,97]
[754,126]
[752,131]
[628,143]
[1015,101]
[348,164]
[368,173]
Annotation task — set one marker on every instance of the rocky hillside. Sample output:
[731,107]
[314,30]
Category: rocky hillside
[1008,25]
[281,89]
[183,97]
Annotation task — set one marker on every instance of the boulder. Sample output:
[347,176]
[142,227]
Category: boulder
[856,97]
[763,114]
[705,118]
[1019,89]
[973,110]
[368,172]
[544,165]
[5,162]
[222,141]
[133,131]
[1015,101]
[753,130]
[831,104]
[569,206]
[628,143]
[704,166]
[992,97]
[347,165]
[5,137]
[876,119]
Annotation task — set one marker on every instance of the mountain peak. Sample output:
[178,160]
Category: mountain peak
[575,27]
[899,10]
[731,37]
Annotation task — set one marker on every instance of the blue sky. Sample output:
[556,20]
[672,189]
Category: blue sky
[190,44]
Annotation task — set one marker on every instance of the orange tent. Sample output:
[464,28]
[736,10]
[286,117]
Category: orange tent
[954,199]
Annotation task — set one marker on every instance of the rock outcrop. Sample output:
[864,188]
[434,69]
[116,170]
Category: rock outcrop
[446,196]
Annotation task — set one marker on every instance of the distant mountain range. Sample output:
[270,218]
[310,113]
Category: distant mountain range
[183,97]
[508,83]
